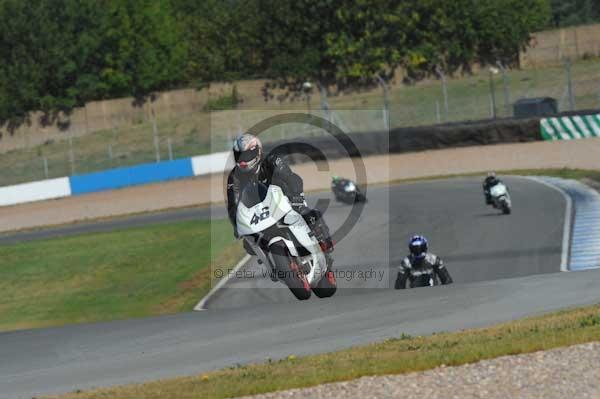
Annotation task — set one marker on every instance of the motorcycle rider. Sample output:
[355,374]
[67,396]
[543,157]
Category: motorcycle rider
[251,164]
[490,181]
[338,183]
[420,266]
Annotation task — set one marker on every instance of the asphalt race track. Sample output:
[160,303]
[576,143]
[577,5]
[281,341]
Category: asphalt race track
[476,241]
[504,267]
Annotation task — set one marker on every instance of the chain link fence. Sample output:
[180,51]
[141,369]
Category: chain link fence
[488,93]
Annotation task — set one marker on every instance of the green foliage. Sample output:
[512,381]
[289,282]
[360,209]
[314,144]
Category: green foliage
[223,38]
[350,42]
[343,43]
[574,12]
[455,34]
[229,101]
[146,49]
[57,54]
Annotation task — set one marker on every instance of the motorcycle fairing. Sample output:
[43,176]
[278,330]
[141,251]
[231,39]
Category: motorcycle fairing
[276,208]
[259,217]
[498,190]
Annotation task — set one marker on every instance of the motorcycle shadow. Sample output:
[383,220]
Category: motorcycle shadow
[490,214]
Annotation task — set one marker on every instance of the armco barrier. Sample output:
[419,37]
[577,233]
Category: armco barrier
[35,191]
[212,163]
[132,176]
[402,140]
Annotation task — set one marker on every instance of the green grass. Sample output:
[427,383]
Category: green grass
[204,132]
[102,276]
[400,355]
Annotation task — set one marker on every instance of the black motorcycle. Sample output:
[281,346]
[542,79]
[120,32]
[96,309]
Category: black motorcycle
[346,191]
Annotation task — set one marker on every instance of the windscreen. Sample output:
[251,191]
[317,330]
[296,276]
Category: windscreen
[253,193]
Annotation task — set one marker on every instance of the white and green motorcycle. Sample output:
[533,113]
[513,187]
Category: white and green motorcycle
[281,239]
[501,198]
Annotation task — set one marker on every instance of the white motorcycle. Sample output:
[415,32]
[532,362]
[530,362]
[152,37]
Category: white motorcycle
[281,239]
[501,198]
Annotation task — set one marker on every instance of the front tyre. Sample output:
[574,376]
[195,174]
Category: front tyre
[505,207]
[327,286]
[289,272]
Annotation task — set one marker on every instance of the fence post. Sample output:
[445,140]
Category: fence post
[307,88]
[386,102]
[325,105]
[45,167]
[506,88]
[71,155]
[230,140]
[492,71]
[444,90]
[110,154]
[571,95]
[170,148]
[155,136]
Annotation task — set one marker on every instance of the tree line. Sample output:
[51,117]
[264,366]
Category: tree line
[58,54]
[574,12]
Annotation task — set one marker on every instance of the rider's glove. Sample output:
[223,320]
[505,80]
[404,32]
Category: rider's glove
[298,202]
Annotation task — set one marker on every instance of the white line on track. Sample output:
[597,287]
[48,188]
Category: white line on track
[200,305]
[564,259]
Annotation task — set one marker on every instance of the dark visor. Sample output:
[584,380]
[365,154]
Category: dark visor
[247,156]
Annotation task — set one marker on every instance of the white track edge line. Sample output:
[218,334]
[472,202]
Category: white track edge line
[200,305]
[564,259]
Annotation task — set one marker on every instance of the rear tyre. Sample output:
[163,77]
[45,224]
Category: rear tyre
[360,197]
[327,286]
[290,273]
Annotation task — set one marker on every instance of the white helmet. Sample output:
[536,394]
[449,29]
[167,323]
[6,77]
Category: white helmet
[248,153]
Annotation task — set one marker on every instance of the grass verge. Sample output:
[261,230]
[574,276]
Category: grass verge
[116,275]
[400,355]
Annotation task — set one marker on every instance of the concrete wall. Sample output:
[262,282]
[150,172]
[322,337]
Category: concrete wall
[35,191]
[113,179]
[550,47]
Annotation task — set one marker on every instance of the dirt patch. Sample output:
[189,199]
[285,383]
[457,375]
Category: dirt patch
[580,154]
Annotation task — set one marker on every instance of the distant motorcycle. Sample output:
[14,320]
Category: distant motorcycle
[501,198]
[281,239]
[346,191]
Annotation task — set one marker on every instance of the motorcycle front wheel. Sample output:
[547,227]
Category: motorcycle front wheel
[327,286]
[290,272]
